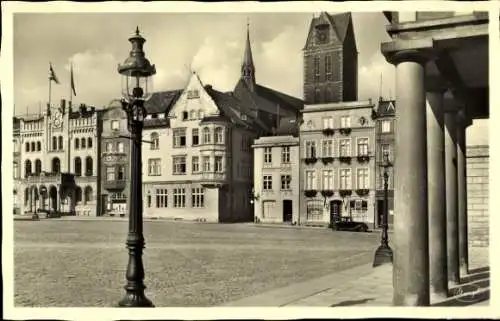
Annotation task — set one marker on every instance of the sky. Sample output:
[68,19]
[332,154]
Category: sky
[211,44]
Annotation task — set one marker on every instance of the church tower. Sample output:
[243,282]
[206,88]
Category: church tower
[248,68]
[330,60]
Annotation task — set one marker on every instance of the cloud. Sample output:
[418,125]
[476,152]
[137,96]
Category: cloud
[369,78]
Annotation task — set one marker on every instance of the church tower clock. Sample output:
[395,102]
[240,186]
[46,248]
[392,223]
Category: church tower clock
[330,60]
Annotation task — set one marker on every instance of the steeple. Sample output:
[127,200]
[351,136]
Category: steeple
[248,68]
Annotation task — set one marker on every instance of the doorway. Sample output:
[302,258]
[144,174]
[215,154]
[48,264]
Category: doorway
[335,210]
[380,212]
[287,210]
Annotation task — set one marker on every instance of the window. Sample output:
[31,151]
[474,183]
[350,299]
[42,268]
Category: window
[155,141]
[192,114]
[195,164]
[327,122]
[201,114]
[38,166]
[267,183]
[311,149]
[285,182]
[345,147]
[89,166]
[83,143]
[327,148]
[345,178]
[161,197]
[328,67]
[328,180]
[121,172]
[115,125]
[33,146]
[179,163]
[196,136]
[154,167]
[206,135]
[219,135]
[192,94]
[206,163]
[285,155]
[87,195]
[362,176]
[185,115]
[110,173]
[197,197]
[89,142]
[56,165]
[54,143]
[27,145]
[314,210]
[148,199]
[78,166]
[179,135]
[385,150]
[121,147]
[268,155]
[109,146]
[362,146]
[316,69]
[386,126]
[16,170]
[311,180]
[345,122]
[218,164]
[179,197]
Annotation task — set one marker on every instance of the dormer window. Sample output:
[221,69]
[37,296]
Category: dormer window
[192,94]
[322,34]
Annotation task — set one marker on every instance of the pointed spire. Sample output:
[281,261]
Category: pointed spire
[248,68]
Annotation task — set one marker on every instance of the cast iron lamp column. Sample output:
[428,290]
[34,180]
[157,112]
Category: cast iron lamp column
[136,70]
[384,252]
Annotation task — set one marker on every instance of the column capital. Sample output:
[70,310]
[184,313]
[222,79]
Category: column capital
[412,55]
[415,50]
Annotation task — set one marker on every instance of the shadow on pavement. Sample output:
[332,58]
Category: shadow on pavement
[351,302]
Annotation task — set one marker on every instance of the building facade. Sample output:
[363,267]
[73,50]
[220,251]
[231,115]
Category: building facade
[115,162]
[385,145]
[337,163]
[276,179]
[53,145]
[16,165]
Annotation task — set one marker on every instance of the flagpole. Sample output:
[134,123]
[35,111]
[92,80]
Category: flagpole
[50,91]
[70,85]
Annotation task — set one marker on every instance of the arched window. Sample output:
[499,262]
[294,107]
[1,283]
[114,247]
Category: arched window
[38,166]
[121,147]
[27,168]
[78,194]
[78,166]
[27,146]
[77,143]
[89,142]
[121,172]
[83,143]
[87,195]
[56,165]
[60,142]
[206,135]
[155,141]
[38,146]
[89,166]
[218,135]
[33,147]
[54,143]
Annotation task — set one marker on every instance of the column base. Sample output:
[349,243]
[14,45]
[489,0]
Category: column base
[135,300]
[383,255]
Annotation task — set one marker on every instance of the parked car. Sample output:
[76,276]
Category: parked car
[347,224]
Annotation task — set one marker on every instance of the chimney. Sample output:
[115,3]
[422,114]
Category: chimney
[63,105]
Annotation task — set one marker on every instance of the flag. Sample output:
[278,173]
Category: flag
[52,74]
[72,81]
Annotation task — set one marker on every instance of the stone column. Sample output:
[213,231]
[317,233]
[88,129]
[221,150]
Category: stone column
[463,238]
[411,237]
[437,195]
[450,119]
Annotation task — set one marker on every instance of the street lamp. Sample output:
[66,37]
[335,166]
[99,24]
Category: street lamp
[136,72]
[384,252]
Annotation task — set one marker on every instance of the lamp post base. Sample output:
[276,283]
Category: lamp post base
[383,255]
[135,300]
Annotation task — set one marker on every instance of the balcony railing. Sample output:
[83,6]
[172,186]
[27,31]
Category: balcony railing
[115,184]
[213,178]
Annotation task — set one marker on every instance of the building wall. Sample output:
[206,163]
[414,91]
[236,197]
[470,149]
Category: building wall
[477,195]
[312,130]
[275,169]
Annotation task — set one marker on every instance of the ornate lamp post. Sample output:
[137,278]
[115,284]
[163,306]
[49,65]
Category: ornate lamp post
[136,71]
[384,252]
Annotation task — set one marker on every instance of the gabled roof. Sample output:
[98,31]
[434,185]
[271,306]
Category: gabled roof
[339,22]
[162,102]
[386,108]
